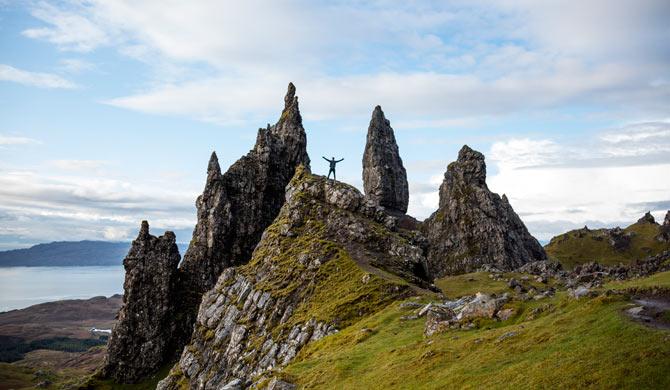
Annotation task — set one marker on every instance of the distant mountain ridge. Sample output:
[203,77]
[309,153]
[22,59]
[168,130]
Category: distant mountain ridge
[67,253]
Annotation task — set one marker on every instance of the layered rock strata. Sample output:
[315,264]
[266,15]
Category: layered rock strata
[474,226]
[140,340]
[384,176]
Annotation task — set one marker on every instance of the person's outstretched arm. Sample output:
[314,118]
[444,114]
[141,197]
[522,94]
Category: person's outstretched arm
[324,158]
[340,160]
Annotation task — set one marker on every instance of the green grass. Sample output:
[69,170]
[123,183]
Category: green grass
[661,279]
[571,249]
[147,384]
[468,284]
[584,343]
[16,377]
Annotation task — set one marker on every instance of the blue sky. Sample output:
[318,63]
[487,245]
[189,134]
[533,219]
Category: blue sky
[110,109]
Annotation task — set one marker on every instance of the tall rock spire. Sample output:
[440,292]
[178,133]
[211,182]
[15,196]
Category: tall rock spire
[474,226]
[384,176]
[140,341]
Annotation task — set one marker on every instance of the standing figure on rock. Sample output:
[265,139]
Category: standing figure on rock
[332,162]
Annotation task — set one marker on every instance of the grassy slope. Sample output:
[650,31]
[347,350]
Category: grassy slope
[572,344]
[570,249]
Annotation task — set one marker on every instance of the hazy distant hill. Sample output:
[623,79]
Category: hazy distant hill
[69,253]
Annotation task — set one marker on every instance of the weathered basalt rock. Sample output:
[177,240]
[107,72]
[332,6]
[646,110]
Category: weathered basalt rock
[664,233]
[233,211]
[237,206]
[140,340]
[324,263]
[474,226]
[384,176]
[647,218]
[619,239]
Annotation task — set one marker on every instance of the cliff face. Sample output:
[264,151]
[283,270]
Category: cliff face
[233,211]
[384,176]
[474,226]
[139,344]
[237,206]
[327,260]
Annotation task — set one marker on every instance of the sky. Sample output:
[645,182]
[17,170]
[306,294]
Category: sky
[109,110]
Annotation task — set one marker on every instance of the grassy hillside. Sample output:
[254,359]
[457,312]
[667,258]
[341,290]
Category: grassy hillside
[558,343]
[581,246]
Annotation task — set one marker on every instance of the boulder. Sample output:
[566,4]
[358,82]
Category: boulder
[384,176]
[482,306]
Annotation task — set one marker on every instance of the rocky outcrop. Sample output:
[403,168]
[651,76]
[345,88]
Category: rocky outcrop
[647,218]
[664,231]
[474,226]
[384,176]
[237,206]
[233,211]
[327,260]
[140,340]
[619,239]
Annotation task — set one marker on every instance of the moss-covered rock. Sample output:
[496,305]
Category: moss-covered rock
[328,260]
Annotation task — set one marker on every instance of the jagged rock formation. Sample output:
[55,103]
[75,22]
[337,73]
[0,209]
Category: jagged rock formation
[647,218]
[237,206]
[474,226]
[664,233]
[384,176]
[233,211]
[328,259]
[140,341]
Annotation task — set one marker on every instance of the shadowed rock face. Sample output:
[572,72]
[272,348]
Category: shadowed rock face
[474,226]
[237,206]
[139,342]
[233,211]
[664,234]
[647,218]
[384,177]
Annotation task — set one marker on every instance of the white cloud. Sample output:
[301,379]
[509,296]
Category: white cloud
[549,182]
[68,29]
[113,233]
[13,140]
[78,165]
[432,61]
[75,65]
[48,208]
[35,79]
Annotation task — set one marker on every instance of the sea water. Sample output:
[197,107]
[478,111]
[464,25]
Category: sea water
[21,287]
